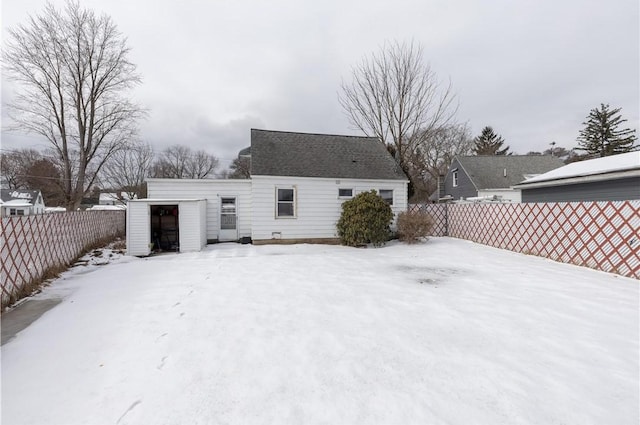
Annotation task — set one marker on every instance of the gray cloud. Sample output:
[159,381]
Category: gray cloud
[213,70]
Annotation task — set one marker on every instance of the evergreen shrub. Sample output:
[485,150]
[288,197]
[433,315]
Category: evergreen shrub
[365,219]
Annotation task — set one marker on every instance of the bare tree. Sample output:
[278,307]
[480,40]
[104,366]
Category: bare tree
[395,96]
[240,168]
[201,165]
[74,75]
[434,156]
[180,162]
[442,144]
[128,169]
[44,175]
[14,166]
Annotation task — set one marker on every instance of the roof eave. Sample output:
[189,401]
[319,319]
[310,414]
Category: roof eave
[580,179]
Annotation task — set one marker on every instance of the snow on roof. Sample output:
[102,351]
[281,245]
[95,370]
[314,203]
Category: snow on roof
[54,209]
[114,196]
[25,195]
[107,208]
[608,164]
[19,203]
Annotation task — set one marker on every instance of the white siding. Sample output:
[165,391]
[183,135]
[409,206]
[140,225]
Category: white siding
[211,190]
[190,226]
[38,204]
[318,206]
[138,228]
[203,223]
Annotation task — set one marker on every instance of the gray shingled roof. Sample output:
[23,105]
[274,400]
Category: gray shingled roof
[279,153]
[487,172]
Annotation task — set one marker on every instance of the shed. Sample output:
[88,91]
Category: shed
[611,178]
[166,225]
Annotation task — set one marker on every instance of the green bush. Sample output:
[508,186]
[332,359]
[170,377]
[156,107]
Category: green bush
[414,225]
[365,219]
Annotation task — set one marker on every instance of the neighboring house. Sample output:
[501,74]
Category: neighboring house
[493,177]
[55,209]
[113,198]
[612,178]
[298,184]
[116,207]
[21,202]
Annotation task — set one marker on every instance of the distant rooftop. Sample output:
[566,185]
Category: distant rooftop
[607,164]
[28,196]
[504,171]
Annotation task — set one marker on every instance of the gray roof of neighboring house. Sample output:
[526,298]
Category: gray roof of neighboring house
[24,195]
[280,153]
[488,172]
[245,152]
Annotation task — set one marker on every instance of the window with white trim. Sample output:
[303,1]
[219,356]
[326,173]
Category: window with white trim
[387,195]
[285,202]
[345,193]
[454,176]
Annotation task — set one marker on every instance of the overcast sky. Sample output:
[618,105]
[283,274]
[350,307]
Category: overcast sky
[212,70]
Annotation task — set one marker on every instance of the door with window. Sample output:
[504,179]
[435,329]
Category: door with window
[228,219]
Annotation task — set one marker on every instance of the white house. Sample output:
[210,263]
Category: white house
[21,202]
[297,186]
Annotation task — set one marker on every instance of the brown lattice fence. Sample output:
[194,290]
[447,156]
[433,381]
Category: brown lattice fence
[601,235]
[31,246]
[439,214]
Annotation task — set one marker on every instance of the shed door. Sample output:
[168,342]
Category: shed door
[228,220]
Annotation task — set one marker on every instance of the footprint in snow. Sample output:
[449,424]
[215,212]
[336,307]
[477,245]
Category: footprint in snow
[161,365]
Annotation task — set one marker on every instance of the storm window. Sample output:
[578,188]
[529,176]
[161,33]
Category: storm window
[285,205]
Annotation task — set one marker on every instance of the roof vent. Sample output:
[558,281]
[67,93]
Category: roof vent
[505,173]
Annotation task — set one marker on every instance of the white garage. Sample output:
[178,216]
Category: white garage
[166,225]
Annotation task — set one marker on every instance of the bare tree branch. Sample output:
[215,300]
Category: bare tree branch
[180,162]
[74,76]
[395,97]
[127,169]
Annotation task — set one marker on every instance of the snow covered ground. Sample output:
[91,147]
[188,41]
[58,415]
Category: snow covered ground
[445,332]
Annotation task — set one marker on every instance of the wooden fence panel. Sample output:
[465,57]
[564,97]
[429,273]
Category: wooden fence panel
[439,214]
[31,245]
[600,235]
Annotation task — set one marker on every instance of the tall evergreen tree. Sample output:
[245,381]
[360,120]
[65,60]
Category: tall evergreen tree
[601,135]
[489,143]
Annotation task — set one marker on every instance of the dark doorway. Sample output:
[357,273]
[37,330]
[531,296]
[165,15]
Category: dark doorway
[165,235]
